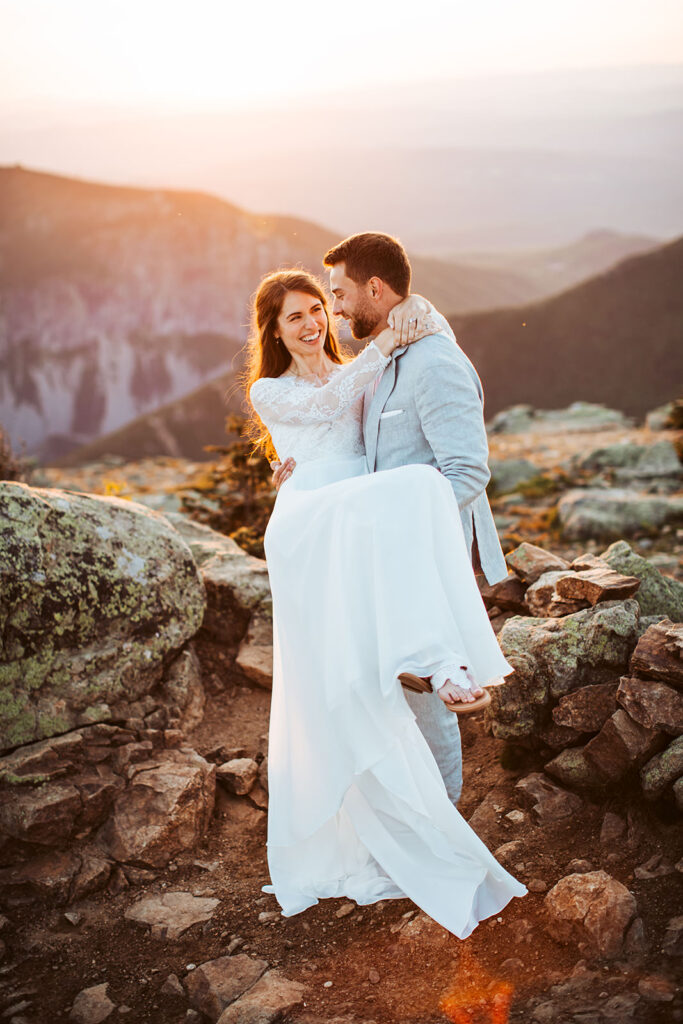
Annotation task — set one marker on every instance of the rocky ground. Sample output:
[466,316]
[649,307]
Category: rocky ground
[108,918]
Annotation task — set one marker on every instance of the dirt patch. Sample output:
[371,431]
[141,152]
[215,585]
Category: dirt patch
[375,973]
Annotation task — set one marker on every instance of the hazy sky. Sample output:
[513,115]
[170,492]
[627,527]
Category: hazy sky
[215,53]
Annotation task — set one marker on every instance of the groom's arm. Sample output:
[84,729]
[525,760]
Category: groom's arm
[451,413]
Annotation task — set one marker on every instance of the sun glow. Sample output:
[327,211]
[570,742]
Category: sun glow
[217,53]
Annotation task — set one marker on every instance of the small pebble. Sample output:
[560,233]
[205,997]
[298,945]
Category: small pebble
[373,976]
[327,984]
[190,967]
[73,917]
[579,867]
[512,966]
[234,944]
[345,910]
[537,885]
[516,817]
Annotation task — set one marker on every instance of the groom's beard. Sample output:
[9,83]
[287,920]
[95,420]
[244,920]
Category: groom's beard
[364,321]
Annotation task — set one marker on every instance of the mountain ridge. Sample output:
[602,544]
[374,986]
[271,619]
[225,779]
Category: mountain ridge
[514,351]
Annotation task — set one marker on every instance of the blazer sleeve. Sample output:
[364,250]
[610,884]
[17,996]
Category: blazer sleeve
[451,412]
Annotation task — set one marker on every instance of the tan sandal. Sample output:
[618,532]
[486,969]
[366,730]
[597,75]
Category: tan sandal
[415,683]
[459,707]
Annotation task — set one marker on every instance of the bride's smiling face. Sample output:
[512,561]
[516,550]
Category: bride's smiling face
[302,324]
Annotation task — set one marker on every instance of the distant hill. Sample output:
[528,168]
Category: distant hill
[616,339]
[554,270]
[116,301]
[181,428]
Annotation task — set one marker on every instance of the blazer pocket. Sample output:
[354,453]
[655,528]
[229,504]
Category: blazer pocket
[390,413]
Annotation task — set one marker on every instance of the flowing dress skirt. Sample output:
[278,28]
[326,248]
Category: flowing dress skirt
[371,576]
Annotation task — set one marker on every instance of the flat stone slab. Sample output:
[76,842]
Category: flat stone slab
[266,1002]
[169,914]
[216,984]
[530,562]
[597,584]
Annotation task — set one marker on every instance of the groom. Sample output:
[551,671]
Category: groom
[427,407]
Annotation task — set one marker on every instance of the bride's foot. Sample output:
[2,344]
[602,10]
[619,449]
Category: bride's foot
[465,698]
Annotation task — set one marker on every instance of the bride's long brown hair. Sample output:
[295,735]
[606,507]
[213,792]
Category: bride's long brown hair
[266,355]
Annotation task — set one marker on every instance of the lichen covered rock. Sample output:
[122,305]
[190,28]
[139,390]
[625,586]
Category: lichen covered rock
[658,594]
[611,513]
[96,594]
[553,657]
[662,770]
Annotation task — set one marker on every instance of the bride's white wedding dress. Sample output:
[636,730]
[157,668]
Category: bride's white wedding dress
[370,576]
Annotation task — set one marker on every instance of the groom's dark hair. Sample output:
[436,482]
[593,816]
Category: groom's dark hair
[372,254]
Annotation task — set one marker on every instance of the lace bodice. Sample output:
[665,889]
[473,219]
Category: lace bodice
[310,421]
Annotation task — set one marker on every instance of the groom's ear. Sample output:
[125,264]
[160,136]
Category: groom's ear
[376,287]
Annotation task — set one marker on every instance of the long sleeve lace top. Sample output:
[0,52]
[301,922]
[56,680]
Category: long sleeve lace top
[307,420]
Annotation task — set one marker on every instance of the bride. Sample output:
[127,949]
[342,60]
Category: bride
[371,580]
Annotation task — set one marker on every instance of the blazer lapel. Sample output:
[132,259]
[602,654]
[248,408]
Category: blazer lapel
[373,410]
[368,396]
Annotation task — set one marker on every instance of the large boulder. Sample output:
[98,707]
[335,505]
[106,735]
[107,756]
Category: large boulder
[593,907]
[657,594]
[553,657]
[606,514]
[96,595]
[578,417]
[636,463]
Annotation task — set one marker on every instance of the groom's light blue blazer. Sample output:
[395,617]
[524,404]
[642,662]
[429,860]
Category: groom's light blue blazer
[429,408]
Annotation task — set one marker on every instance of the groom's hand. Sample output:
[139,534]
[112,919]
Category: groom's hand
[282,471]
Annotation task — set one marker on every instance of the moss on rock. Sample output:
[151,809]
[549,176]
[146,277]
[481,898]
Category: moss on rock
[97,594]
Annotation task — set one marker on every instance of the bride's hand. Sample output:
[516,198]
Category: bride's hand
[411,320]
[282,471]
